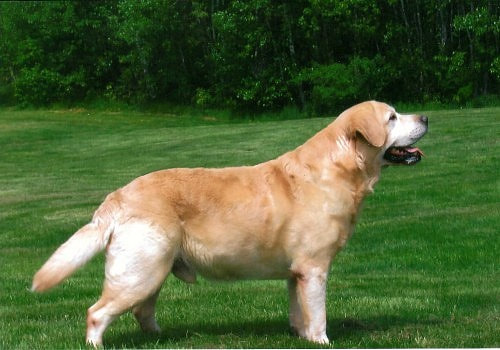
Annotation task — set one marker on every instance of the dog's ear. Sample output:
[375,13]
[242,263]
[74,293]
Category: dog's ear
[365,120]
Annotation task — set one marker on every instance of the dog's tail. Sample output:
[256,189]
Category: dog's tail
[77,250]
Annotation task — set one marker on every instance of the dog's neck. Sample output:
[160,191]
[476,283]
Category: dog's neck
[334,155]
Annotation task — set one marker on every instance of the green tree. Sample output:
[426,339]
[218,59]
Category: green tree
[165,49]
[57,50]
[249,54]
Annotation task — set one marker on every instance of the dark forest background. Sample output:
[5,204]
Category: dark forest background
[249,54]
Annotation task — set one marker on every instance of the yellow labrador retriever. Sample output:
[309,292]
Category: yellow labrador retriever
[283,219]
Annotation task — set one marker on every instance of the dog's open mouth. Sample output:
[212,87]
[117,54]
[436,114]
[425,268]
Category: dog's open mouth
[403,155]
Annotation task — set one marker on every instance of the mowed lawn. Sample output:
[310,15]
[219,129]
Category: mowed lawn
[422,269]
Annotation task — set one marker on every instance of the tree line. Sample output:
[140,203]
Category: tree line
[249,54]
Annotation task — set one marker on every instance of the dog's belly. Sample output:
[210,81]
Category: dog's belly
[240,258]
[222,269]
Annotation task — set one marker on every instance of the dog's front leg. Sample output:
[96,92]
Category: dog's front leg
[307,290]
[295,313]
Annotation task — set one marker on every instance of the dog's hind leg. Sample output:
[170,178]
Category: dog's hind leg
[139,258]
[145,314]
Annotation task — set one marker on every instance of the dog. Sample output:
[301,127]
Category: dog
[283,219]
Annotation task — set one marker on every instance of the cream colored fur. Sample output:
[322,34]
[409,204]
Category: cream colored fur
[283,219]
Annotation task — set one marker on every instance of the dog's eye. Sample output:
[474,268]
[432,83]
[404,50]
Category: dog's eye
[393,117]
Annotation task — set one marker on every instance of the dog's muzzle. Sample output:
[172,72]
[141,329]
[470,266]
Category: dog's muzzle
[403,155]
[406,155]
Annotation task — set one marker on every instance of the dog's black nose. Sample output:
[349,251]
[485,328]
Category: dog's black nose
[424,119]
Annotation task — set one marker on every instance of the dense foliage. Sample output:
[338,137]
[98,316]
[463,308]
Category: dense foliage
[253,54]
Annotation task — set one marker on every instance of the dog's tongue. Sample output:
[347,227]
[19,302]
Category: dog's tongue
[415,149]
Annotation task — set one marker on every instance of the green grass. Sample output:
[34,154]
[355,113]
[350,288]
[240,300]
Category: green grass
[422,269]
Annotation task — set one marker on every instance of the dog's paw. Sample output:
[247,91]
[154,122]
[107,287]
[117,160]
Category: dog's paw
[322,340]
[95,343]
[150,327]
[318,339]
[315,338]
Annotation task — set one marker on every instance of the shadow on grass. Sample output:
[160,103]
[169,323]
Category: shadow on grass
[192,334]
[352,328]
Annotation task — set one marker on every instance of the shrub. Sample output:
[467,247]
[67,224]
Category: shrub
[37,86]
[333,87]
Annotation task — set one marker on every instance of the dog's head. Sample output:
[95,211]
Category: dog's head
[390,135]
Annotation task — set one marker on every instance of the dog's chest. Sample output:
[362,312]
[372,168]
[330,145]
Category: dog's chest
[336,214]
